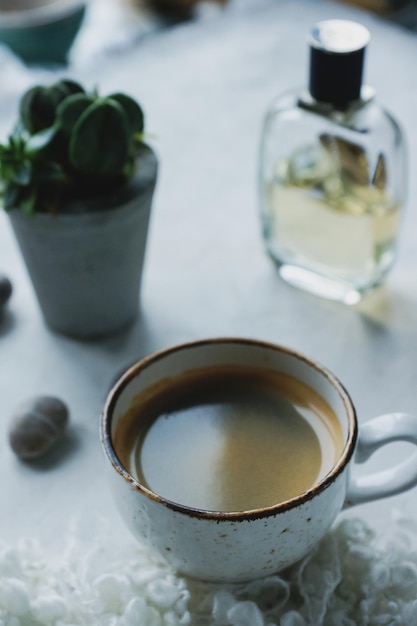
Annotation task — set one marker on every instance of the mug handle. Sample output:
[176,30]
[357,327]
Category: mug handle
[373,435]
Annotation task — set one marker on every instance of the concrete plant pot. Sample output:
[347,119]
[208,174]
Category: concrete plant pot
[86,263]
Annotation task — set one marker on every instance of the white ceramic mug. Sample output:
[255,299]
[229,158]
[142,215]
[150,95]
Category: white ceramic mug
[237,546]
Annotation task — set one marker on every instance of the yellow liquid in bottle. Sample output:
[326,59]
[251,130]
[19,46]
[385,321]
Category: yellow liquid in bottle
[324,215]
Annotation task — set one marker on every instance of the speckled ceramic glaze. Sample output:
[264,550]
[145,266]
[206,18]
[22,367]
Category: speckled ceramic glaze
[239,546]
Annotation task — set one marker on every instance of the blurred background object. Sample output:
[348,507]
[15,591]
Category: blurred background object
[171,9]
[41,31]
[403,12]
[112,27]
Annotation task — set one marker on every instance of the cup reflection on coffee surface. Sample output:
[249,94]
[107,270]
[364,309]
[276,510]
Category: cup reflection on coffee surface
[231,457]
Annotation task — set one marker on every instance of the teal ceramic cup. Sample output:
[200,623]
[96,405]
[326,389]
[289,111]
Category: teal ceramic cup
[42,34]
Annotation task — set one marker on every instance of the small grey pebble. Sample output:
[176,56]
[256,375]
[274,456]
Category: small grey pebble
[5,289]
[37,425]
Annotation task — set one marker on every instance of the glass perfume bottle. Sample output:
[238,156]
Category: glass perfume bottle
[332,173]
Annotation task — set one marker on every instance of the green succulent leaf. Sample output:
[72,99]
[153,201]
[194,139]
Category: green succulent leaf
[49,172]
[23,173]
[99,143]
[27,201]
[37,109]
[39,104]
[133,111]
[10,197]
[72,87]
[70,110]
[39,141]
[58,92]
[23,198]
[68,141]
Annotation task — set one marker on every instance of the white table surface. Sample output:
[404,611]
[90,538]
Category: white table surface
[204,87]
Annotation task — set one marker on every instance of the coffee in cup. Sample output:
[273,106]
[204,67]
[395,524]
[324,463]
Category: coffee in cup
[229,438]
[232,457]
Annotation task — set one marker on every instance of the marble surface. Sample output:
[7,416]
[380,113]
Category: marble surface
[204,87]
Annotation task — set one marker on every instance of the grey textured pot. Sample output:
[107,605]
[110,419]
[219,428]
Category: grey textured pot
[86,263]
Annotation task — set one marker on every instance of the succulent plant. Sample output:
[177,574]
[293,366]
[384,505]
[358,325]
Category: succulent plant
[68,143]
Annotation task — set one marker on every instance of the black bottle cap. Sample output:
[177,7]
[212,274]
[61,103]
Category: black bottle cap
[337,50]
